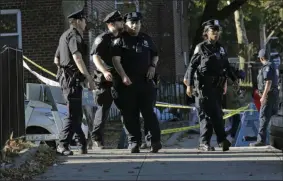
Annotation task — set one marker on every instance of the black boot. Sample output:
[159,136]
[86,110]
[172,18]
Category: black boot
[225,145]
[134,147]
[256,144]
[155,147]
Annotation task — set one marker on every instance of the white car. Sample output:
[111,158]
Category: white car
[45,110]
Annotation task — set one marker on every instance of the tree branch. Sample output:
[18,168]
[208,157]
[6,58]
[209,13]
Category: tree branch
[272,32]
[228,10]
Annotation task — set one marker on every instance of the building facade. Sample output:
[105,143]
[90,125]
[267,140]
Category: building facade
[36,25]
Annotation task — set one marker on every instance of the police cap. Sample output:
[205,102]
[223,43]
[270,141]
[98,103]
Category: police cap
[211,24]
[133,16]
[77,15]
[112,17]
[261,54]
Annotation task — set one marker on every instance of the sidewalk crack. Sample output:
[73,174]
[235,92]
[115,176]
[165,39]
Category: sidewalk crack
[145,157]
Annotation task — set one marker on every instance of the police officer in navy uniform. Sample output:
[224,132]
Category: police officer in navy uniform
[210,67]
[102,59]
[135,58]
[70,58]
[268,90]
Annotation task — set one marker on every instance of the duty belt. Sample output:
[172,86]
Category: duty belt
[215,81]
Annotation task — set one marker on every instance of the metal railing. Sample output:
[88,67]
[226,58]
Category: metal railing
[12,118]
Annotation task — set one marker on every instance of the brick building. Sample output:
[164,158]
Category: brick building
[36,25]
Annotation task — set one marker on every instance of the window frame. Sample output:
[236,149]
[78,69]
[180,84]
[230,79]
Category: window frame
[19,25]
[122,2]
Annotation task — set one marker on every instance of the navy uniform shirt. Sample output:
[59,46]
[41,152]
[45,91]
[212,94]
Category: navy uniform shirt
[267,72]
[136,54]
[102,47]
[70,42]
[209,60]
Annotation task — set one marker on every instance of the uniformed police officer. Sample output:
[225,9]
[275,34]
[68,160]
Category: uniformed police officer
[70,56]
[102,59]
[135,58]
[210,63]
[268,89]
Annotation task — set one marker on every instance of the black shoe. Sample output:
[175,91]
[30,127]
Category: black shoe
[225,145]
[97,145]
[134,147]
[206,147]
[155,147]
[256,144]
[64,151]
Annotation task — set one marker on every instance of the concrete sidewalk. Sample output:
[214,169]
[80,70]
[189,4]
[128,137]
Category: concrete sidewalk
[171,164]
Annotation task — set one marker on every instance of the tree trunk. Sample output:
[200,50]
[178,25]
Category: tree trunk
[211,12]
[262,33]
[244,49]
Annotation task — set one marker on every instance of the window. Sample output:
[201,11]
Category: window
[125,6]
[10,28]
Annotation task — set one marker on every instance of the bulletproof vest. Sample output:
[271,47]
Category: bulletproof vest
[212,63]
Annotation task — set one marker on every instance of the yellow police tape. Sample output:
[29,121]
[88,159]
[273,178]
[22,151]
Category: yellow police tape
[38,66]
[167,131]
[191,107]
[175,130]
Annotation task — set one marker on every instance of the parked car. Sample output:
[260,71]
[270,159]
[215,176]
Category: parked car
[276,130]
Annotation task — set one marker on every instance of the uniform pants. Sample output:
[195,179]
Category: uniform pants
[104,101]
[211,115]
[146,133]
[267,110]
[135,99]
[73,122]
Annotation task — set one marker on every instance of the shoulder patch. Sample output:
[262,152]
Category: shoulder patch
[116,41]
[197,49]
[222,51]
[97,40]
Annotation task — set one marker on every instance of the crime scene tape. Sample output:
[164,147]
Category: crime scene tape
[158,104]
[40,77]
[175,130]
[38,66]
[169,105]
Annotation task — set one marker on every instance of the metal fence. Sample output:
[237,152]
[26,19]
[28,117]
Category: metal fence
[12,118]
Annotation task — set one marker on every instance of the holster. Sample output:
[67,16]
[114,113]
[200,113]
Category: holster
[68,78]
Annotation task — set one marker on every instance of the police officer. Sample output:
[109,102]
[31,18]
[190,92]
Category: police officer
[211,66]
[102,59]
[70,58]
[135,58]
[268,90]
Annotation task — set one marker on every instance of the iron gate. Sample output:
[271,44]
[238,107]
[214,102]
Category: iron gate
[11,94]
